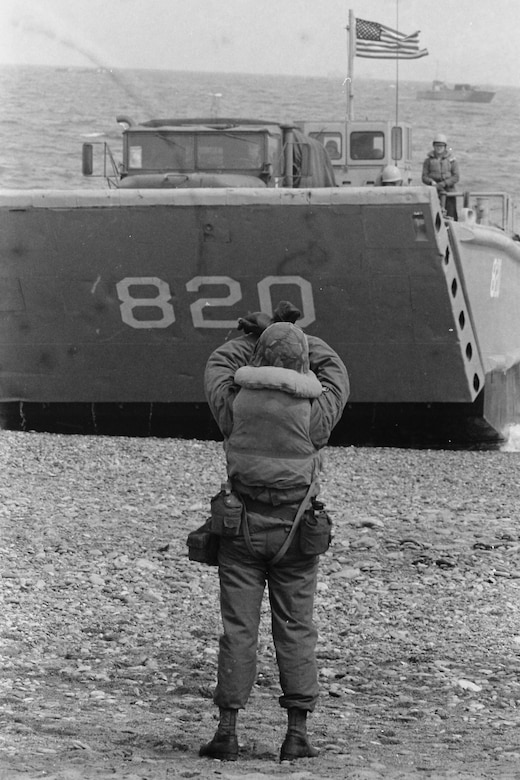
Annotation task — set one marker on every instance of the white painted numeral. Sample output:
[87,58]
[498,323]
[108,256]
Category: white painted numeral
[496,272]
[266,301]
[197,308]
[130,304]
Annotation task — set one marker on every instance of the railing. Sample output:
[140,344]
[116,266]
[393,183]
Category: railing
[486,208]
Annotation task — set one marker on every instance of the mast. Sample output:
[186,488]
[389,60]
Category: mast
[351,53]
[396,72]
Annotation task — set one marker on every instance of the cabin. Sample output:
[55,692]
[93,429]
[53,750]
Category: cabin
[360,149]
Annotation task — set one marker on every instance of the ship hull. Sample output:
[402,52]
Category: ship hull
[457,96]
[112,301]
[450,426]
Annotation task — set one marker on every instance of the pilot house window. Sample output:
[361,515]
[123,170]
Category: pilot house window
[367,145]
[332,143]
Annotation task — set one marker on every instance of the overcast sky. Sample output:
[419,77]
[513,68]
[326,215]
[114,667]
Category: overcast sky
[477,41]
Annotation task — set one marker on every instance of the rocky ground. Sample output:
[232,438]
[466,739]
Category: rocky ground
[109,633]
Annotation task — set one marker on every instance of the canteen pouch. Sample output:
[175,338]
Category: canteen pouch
[226,512]
[315,531]
[203,545]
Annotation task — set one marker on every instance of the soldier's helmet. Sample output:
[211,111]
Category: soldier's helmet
[391,174]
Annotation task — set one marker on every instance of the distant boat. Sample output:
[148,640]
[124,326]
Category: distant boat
[464,93]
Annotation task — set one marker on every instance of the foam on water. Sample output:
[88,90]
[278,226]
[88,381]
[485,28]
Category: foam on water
[512,443]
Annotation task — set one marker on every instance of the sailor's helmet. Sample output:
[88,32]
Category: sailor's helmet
[390,174]
[440,138]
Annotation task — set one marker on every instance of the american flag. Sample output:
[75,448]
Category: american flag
[380,42]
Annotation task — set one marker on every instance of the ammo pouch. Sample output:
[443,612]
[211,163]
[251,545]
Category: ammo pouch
[203,545]
[315,530]
[227,509]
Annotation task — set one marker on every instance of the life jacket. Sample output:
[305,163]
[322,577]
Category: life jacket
[270,445]
[440,168]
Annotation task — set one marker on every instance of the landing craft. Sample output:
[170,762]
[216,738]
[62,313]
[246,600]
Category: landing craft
[113,299]
[460,93]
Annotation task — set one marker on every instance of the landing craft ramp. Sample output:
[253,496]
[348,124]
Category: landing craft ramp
[117,297]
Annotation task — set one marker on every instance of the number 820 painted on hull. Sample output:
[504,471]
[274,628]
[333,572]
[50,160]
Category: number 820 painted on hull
[130,303]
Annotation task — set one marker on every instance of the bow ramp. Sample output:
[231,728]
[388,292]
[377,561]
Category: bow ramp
[115,297]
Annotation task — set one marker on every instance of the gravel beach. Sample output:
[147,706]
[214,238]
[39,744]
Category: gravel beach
[109,634]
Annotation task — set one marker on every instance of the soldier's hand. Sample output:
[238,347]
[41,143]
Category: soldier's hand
[286,312]
[254,323]
[257,321]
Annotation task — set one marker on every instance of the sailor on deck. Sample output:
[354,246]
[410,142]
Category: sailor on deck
[441,170]
[391,176]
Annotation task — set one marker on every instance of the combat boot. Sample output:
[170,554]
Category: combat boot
[296,743]
[224,744]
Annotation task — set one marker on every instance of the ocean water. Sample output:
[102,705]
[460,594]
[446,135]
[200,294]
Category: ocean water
[47,113]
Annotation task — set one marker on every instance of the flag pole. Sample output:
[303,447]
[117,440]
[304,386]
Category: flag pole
[397,69]
[351,51]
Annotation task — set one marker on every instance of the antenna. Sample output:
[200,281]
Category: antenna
[396,72]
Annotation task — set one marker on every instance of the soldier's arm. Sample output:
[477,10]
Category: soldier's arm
[219,384]
[332,373]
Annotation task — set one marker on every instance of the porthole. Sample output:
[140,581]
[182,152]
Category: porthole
[469,351]
[447,256]
[454,287]
[462,320]
[476,383]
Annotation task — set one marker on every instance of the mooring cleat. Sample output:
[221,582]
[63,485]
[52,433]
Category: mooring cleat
[297,747]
